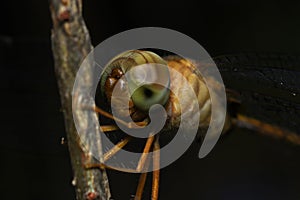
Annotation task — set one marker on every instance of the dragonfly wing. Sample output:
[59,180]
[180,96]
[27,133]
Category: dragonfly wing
[268,86]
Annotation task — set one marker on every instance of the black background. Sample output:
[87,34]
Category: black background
[242,166]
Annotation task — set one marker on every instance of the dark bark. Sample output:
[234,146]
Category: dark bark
[71,44]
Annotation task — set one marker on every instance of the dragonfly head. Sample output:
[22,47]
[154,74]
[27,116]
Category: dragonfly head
[124,77]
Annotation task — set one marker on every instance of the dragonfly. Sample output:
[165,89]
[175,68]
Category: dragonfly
[261,109]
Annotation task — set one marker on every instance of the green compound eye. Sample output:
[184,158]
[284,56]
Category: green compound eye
[148,85]
[147,77]
[147,95]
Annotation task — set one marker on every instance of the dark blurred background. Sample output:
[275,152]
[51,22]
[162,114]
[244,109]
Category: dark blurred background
[242,166]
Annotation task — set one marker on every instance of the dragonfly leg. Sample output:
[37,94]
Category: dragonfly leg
[109,154]
[141,184]
[108,128]
[116,148]
[156,167]
[110,116]
[103,166]
[266,129]
[156,160]
[143,158]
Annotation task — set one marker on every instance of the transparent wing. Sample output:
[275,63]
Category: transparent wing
[268,86]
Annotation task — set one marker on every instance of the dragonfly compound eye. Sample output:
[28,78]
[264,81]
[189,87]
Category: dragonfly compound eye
[142,74]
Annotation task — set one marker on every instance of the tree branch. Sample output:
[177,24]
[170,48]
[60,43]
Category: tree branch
[71,44]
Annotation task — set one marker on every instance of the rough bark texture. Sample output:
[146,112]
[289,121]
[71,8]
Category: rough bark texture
[70,45]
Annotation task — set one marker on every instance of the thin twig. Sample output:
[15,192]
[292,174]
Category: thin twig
[70,45]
